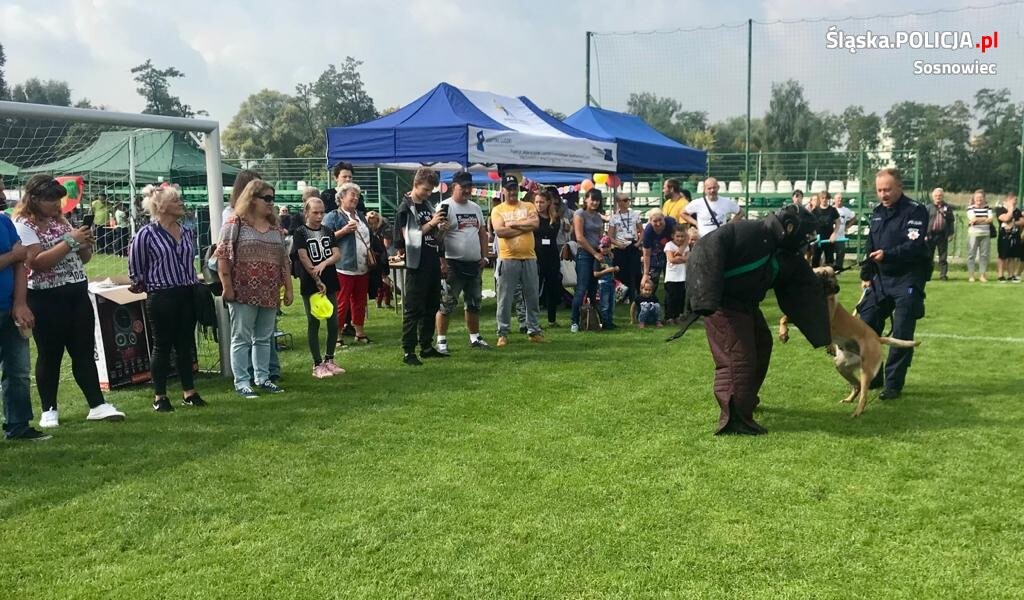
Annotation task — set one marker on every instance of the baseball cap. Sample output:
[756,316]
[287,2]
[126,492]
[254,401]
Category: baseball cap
[509,181]
[463,178]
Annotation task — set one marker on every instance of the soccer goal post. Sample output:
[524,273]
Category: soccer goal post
[113,156]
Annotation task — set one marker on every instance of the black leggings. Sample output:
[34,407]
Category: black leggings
[173,318]
[422,298]
[64,320]
[313,330]
[550,275]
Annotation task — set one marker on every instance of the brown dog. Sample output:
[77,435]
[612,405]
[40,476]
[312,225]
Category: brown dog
[855,345]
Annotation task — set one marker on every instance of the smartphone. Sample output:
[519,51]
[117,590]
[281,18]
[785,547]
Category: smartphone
[88,220]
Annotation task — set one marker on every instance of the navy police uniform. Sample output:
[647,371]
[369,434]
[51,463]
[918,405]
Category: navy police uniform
[897,283]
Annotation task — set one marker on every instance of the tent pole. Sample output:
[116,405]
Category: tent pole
[746,151]
[132,185]
[587,97]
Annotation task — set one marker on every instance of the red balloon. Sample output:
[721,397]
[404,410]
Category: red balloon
[493,175]
[614,181]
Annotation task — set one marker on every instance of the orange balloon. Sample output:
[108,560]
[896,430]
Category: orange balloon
[586,185]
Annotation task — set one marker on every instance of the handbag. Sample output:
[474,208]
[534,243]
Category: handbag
[568,269]
[371,258]
[202,299]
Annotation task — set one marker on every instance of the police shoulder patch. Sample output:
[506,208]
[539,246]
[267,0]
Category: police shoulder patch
[913,233]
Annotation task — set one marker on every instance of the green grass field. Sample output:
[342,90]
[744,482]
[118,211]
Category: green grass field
[581,468]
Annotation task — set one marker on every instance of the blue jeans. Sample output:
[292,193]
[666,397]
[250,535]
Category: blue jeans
[607,290]
[14,381]
[252,328]
[584,275]
[650,316]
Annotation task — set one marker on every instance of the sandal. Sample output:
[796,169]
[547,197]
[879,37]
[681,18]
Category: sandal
[362,339]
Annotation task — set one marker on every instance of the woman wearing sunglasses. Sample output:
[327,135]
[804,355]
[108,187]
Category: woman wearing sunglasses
[253,265]
[58,296]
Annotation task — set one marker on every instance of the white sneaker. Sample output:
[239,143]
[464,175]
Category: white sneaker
[48,418]
[104,412]
[574,328]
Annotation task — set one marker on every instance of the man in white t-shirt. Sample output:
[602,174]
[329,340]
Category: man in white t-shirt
[712,211]
[465,256]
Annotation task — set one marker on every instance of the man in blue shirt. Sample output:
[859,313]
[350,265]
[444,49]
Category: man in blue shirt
[893,276]
[15,317]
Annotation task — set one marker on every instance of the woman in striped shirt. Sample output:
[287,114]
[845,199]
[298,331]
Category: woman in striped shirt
[253,265]
[979,220]
[161,263]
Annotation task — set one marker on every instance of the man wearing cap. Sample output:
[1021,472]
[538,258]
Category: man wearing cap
[513,223]
[728,275]
[465,256]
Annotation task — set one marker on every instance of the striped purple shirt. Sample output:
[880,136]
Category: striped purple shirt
[157,262]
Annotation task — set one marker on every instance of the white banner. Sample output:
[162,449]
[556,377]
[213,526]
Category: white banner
[492,147]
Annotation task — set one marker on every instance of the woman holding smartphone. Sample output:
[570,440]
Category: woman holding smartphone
[58,296]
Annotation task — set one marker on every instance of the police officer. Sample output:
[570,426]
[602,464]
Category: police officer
[898,265]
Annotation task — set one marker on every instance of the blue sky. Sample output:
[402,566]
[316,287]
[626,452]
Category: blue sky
[230,49]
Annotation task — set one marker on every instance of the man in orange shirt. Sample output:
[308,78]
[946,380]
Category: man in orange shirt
[513,223]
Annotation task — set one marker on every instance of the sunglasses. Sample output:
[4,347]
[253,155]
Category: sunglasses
[267,197]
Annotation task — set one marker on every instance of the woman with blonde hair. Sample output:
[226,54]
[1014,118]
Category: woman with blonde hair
[352,235]
[253,265]
[160,263]
[58,296]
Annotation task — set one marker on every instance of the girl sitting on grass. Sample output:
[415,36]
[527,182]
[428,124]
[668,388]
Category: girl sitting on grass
[645,310]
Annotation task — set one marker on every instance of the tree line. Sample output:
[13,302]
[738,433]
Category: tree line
[957,146]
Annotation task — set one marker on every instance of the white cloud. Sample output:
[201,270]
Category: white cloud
[232,48]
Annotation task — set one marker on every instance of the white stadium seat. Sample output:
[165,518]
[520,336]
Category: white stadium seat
[784,187]
[735,187]
[767,187]
[853,186]
[800,185]
[818,186]
[835,187]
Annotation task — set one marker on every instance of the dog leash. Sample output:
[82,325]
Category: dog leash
[690,320]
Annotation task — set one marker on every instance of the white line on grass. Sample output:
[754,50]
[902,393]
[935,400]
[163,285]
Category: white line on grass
[971,338]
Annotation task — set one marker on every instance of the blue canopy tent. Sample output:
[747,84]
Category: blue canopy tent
[642,149]
[450,128]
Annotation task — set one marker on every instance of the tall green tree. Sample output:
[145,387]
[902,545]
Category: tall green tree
[789,123]
[268,124]
[154,86]
[996,150]
[5,92]
[667,116]
[36,91]
[938,140]
[340,96]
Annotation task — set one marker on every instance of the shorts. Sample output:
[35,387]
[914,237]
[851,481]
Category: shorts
[463,278]
[1009,245]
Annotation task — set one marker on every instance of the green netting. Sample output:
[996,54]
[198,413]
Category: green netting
[955,130]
